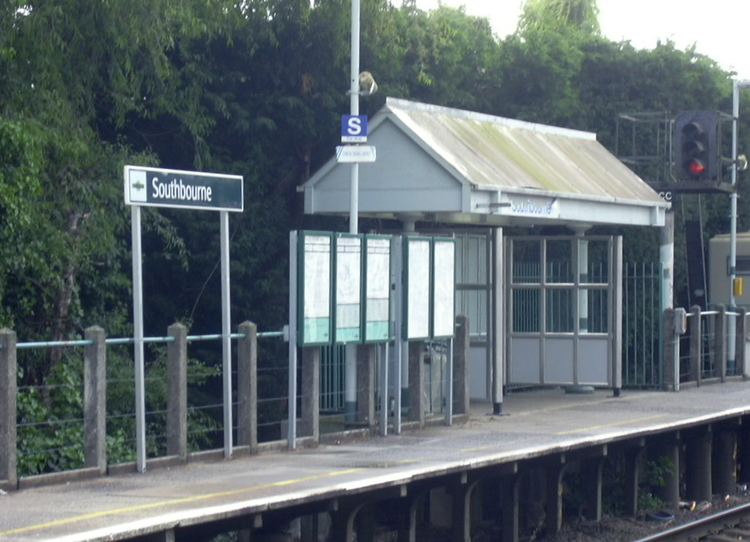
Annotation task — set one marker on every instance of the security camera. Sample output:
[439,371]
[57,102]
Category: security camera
[367,84]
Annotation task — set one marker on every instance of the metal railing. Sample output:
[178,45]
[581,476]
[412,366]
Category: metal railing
[53,419]
[698,345]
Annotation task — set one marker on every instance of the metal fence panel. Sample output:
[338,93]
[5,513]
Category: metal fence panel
[642,356]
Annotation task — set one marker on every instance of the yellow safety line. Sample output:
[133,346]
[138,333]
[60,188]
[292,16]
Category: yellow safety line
[613,424]
[479,448]
[572,431]
[196,498]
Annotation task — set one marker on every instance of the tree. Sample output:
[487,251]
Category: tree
[577,16]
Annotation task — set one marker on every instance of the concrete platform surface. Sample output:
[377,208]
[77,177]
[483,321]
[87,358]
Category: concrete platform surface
[536,423]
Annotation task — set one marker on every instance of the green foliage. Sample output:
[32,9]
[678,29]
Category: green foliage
[50,426]
[573,16]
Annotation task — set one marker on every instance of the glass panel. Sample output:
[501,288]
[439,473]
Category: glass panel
[527,256]
[560,310]
[594,258]
[526,310]
[594,317]
[559,261]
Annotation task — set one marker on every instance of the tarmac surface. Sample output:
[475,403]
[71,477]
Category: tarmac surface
[536,423]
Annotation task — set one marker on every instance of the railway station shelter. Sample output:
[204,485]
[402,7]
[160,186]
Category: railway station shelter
[530,205]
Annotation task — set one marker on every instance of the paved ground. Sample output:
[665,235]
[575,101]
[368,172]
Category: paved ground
[537,422]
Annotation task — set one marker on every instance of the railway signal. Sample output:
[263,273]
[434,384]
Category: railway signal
[696,145]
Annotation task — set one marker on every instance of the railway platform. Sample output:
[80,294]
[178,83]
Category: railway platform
[547,428]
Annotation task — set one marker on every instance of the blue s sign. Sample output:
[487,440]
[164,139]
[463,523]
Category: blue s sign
[354,128]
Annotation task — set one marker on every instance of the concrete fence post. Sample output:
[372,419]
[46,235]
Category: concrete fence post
[696,344]
[668,351]
[95,399]
[461,354]
[740,335]
[417,400]
[720,341]
[247,387]
[311,392]
[366,354]
[177,388]
[8,391]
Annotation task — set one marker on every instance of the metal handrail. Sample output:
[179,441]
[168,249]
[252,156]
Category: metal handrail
[147,340]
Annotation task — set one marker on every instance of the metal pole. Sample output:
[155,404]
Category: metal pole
[449,386]
[292,399]
[354,110]
[140,392]
[398,345]
[733,216]
[384,389]
[350,391]
[226,324]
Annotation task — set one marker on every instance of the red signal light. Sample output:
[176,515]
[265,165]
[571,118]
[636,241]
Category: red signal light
[696,167]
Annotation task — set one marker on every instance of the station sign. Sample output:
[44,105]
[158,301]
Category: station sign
[350,154]
[156,187]
[354,128]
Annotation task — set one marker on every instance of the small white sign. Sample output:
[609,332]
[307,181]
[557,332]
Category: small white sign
[137,180]
[348,154]
[533,207]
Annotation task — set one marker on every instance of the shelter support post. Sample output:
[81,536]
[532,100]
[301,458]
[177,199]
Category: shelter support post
[666,259]
[498,311]
[670,360]
[461,397]
[617,320]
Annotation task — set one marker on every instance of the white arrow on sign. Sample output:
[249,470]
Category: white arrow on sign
[348,154]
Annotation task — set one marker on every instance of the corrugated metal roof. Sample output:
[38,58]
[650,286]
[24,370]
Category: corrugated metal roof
[505,154]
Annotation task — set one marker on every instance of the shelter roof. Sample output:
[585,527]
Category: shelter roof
[460,166]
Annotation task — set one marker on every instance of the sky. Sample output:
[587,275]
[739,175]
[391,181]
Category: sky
[720,29]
